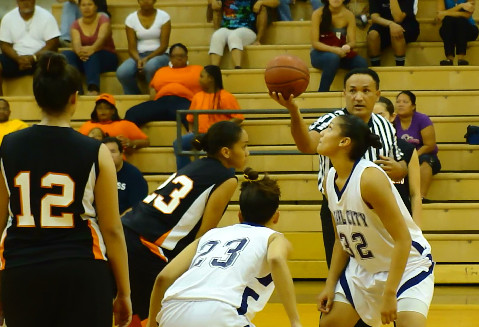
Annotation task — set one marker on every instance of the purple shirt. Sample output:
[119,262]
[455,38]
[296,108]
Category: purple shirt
[413,133]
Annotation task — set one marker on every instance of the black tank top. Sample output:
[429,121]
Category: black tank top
[50,173]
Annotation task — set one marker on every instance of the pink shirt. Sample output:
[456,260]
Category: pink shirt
[89,40]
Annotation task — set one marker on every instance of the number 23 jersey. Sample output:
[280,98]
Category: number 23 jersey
[361,231]
[230,265]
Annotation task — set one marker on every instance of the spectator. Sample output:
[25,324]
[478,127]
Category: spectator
[409,186]
[172,88]
[148,34]
[105,116]
[458,27]
[132,187]
[93,48]
[6,125]
[25,33]
[333,37]
[284,10]
[212,97]
[395,24]
[70,13]
[243,23]
[417,128]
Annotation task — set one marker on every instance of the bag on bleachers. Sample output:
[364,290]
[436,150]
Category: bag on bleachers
[472,134]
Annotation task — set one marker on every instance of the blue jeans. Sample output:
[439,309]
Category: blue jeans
[330,62]
[70,13]
[284,12]
[100,62]
[182,161]
[126,73]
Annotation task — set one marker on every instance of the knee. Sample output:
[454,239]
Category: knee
[326,61]
[373,36]
[125,71]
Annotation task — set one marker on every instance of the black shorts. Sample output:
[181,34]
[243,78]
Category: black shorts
[10,67]
[411,33]
[144,266]
[73,293]
[432,160]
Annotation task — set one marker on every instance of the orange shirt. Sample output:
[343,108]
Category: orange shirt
[115,128]
[183,82]
[213,101]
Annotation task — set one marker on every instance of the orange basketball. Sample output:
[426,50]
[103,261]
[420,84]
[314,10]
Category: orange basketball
[286,74]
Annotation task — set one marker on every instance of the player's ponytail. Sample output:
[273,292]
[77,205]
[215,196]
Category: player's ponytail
[219,135]
[259,198]
[54,82]
[361,136]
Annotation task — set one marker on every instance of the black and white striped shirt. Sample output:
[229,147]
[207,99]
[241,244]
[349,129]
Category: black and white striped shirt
[377,124]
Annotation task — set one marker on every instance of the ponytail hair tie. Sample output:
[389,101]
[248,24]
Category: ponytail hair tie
[251,180]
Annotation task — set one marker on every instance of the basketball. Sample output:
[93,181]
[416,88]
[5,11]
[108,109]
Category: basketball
[286,74]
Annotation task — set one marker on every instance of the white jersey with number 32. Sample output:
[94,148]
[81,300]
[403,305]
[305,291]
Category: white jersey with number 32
[361,231]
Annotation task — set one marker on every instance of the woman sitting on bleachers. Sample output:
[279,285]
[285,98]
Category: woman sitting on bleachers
[105,116]
[212,97]
[333,37]
[417,128]
[148,33]
[171,89]
[458,27]
[93,48]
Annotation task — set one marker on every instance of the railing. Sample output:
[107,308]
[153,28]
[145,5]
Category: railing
[196,154]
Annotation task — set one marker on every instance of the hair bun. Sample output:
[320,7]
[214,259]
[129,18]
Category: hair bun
[251,175]
[52,64]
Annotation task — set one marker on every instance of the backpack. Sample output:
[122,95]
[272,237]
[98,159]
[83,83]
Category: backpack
[472,135]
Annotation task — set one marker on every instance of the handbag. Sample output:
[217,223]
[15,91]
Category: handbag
[472,134]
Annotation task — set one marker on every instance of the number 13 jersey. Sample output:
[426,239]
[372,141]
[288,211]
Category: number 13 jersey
[361,231]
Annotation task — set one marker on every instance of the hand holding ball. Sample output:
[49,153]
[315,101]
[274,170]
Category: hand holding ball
[286,74]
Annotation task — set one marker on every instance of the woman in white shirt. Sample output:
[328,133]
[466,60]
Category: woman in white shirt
[148,34]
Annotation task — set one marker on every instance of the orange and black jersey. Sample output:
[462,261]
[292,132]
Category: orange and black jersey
[50,173]
[168,219]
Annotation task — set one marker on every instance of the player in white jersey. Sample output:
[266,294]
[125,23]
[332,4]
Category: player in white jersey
[382,268]
[226,276]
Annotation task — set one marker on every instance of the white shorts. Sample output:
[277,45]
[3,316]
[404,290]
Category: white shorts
[235,39]
[364,290]
[178,313]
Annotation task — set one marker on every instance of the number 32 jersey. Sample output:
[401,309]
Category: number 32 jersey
[168,219]
[50,173]
[361,231]
[229,266]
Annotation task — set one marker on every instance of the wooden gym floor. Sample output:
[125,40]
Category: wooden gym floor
[452,306]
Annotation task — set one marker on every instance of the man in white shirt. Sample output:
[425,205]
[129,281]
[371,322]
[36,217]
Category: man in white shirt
[25,32]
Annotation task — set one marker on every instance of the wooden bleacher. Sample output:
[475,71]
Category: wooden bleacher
[447,94]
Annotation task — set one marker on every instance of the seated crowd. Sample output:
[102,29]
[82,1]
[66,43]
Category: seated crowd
[175,84]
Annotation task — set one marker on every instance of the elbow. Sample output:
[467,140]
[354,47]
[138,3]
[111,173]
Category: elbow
[276,261]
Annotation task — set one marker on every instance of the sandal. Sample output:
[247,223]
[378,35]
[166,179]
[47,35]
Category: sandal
[446,62]
[462,62]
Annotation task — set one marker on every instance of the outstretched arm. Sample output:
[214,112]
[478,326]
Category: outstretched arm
[306,141]
[278,252]
[167,276]
[216,205]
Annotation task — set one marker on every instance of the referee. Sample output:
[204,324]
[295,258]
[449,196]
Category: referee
[361,92]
